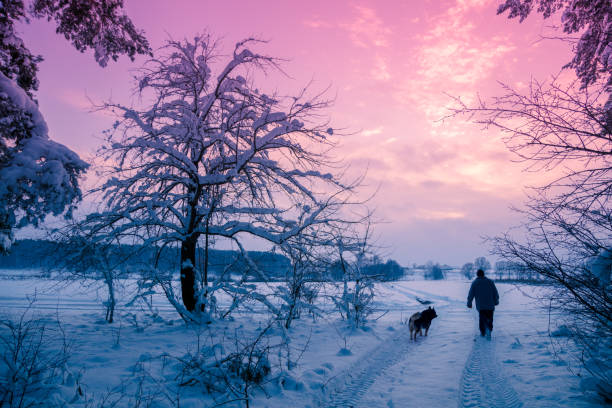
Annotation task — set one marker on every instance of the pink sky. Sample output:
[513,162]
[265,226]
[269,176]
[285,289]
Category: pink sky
[442,185]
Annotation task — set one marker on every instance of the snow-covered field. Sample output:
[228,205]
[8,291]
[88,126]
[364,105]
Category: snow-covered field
[373,367]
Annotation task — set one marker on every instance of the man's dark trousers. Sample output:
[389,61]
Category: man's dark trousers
[485,320]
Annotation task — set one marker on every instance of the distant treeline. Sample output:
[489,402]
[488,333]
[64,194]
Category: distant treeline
[28,253]
[375,268]
[43,254]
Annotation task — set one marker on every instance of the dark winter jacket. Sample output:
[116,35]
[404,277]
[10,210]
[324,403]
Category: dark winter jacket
[485,292]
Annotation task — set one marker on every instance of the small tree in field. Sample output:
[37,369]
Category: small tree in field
[91,259]
[433,271]
[212,157]
[482,263]
[467,270]
[298,289]
[356,301]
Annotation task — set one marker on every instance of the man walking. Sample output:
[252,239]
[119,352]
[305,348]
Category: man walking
[485,292]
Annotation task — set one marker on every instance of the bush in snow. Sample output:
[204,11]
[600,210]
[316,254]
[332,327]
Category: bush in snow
[229,368]
[33,364]
[597,362]
[592,363]
[355,303]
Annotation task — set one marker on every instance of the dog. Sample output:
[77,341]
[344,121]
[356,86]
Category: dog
[421,320]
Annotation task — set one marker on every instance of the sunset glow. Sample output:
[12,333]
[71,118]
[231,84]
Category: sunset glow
[391,66]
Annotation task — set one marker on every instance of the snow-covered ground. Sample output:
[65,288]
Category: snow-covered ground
[373,367]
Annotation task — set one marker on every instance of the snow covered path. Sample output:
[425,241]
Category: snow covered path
[399,372]
[349,390]
[483,383]
[454,367]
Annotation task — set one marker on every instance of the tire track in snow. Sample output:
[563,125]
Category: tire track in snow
[347,391]
[483,383]
[439,300]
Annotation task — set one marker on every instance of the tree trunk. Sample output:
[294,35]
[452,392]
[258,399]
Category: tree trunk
[110,306]
[206,258]
[188,290]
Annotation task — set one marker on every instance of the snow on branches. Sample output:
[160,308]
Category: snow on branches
[593,19]
[38,176]
[99,25]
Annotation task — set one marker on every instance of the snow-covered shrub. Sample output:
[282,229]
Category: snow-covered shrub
[310,292]
[298,291]
[355,302]
[251,367]
[33,364]
[150,385]
[596,359]
[229,368]
[202,368]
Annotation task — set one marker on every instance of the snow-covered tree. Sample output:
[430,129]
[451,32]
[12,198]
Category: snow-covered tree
[39,176]
[212,157]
